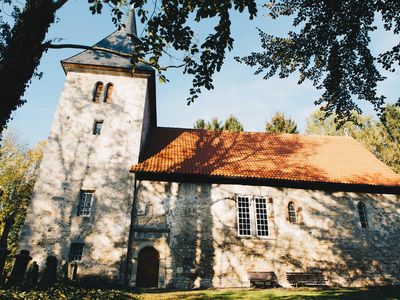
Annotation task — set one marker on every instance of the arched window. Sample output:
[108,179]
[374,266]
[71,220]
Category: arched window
[292,213]
[109,91]
[362,212]
[98,89]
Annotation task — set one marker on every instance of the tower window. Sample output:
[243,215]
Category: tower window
[362,212]
[98,89]
[75,251]
[97,127]
[85,204]
[292,213]
[109,91]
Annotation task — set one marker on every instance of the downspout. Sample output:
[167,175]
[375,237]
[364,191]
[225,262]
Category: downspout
[128,266]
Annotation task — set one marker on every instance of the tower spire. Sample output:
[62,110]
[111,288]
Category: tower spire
[130,23]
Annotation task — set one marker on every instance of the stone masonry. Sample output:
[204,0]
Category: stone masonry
[203,249]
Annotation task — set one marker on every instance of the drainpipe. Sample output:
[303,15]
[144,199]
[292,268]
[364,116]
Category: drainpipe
[128,266]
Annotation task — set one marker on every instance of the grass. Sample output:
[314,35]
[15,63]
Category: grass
[69,293]
[280,293]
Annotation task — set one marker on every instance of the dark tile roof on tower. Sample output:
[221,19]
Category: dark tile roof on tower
[122,40]
[290,157]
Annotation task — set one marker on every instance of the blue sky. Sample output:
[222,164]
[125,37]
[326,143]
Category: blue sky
[237,91]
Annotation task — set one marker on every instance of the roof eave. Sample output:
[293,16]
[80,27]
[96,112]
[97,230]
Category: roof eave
[280,183]
[89,68]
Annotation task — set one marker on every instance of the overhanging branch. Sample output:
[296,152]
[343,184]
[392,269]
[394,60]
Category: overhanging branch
[58,4]
[121,54]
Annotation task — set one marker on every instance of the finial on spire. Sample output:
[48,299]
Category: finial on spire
[130,23]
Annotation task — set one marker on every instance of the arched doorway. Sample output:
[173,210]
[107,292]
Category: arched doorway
[147,268]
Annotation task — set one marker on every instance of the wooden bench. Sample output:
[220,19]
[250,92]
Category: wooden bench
[263,279]
[306,278]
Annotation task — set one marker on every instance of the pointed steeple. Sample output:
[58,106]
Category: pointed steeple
[120,41]
[130,23]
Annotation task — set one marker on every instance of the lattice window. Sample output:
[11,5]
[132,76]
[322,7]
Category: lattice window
[362,212]
[98,89]
[292,213]
[85,204]
[75,252]
[261,216]
[97,127]
[243,215]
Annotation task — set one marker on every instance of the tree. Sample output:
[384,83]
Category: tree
[381,138]
[231,124]
[279,124]
[23,43]
[331,47]
[19,166]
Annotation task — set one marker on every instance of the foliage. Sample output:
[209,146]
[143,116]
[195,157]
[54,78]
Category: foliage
[18,170]
[279,124]
[331,47]
[67,292]
[231,124]
[20,52]
[382,138]
[166,28]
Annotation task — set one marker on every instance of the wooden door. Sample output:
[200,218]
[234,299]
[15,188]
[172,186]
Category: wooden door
[147,268]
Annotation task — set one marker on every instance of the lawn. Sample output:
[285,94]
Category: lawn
[284,294]
[67,293]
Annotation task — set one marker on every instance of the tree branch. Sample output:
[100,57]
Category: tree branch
[122,54]
[58,4]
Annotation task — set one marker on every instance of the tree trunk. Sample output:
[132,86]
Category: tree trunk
[22,55]
[3,245]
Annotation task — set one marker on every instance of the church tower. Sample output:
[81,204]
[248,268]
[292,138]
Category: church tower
[81,207]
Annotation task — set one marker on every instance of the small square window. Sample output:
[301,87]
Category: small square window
[85,204]
[97,127]
[75,252]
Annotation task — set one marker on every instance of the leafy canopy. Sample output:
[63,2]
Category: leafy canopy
[167,27]
[168,33]
[279,124]
[381,138]
[331,47]
[231,124]
[19,167]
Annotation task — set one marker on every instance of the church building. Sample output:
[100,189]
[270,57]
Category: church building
[122,200]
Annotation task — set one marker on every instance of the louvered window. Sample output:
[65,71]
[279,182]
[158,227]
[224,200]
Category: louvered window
[292,213]
[362,212]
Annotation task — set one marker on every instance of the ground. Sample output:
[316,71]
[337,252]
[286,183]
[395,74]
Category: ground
[375,293]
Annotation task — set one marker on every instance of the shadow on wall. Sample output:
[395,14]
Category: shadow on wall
[330,238]
[77,160]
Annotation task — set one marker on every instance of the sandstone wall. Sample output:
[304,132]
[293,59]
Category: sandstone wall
[200,247]
[76,160]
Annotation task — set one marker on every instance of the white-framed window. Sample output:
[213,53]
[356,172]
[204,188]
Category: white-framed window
[243,216]
[85,203]
[252,216]
[75,251]
[261,214]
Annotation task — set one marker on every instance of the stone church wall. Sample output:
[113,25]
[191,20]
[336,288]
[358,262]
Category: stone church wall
[200,246]
[75,160]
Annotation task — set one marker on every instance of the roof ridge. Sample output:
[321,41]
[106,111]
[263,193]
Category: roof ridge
[255,132]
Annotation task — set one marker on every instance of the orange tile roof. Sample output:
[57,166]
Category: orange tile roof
[260,155]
